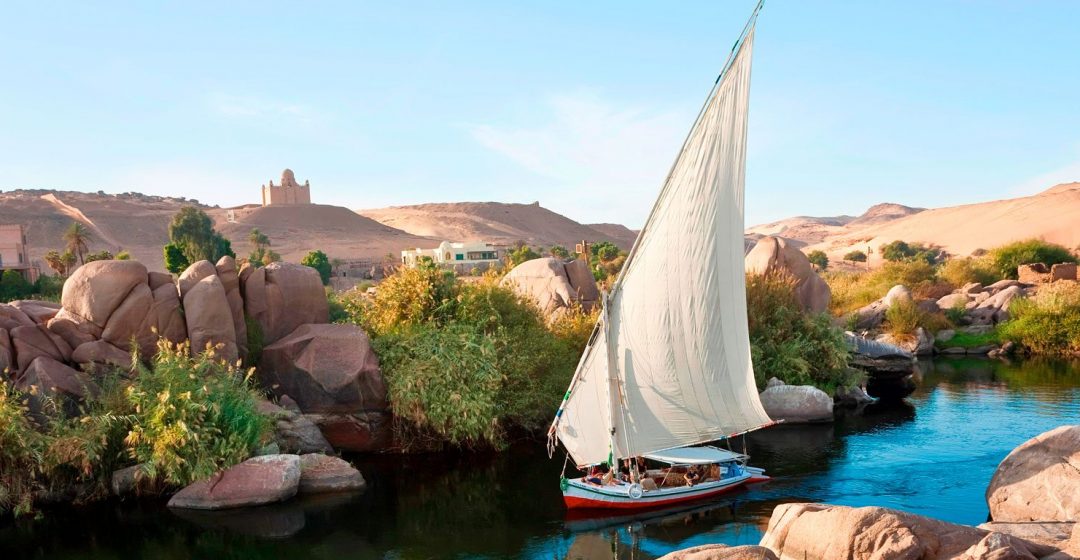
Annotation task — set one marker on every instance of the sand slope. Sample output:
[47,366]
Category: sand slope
[496,222]
[1053,215]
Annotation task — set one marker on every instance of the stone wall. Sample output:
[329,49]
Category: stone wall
[1039,273]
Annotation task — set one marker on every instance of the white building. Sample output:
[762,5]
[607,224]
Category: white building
[460,256]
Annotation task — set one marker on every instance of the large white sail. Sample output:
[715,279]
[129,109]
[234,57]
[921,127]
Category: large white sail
[670,363]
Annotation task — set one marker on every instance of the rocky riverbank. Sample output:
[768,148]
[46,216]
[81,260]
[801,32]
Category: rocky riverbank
[1034,501]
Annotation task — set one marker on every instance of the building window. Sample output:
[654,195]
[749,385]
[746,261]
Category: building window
[459,257]
[482,256]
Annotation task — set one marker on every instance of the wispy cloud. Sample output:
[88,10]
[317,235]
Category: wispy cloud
[596,153]
[239,106]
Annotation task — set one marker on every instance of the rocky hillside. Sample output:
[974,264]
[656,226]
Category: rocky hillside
[497,222]
[139,224]
[295,230]
[1051,215]
[131,221]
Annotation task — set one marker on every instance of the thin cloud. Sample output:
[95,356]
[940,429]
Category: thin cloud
[256,107]
[596,153]
[1066,174]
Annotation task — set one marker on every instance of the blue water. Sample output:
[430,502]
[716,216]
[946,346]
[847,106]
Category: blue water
[932,455]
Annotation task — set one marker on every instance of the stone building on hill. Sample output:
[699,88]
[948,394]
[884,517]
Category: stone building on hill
[288,192]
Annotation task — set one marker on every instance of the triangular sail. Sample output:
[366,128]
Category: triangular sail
[670,365]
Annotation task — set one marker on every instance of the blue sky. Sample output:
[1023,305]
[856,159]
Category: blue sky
[579,105]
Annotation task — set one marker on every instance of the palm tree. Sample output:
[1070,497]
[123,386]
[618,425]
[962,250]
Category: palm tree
[77,237]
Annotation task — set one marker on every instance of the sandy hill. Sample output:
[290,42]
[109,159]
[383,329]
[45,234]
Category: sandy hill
[1052,215]
[496,222]
[131,221]
[295,230]
[140,224]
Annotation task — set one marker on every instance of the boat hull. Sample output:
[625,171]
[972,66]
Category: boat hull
[579,495]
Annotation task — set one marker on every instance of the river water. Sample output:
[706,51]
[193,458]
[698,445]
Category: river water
[933,455]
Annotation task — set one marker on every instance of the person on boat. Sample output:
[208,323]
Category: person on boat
[597,474]
[625,473]
[692,476]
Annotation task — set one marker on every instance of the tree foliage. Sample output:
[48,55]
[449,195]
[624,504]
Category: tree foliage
[14,286]
[320,262]
[175,261]
[559,252]
[897,251]
[818,259]
[103,255]
[261,254]
[77,237]
[62,263]
[521,253]
[192,234]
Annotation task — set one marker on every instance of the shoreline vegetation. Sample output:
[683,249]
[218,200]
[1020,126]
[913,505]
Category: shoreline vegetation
[468,362]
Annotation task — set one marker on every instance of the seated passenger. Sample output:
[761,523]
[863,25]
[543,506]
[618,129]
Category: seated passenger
[692,476]
[596,474]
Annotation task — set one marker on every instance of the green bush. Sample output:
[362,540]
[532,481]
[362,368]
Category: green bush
[1048,323]
[14,286]
[465,361]
[21,453]
[193,416]
[320,262]
[960,271]
[897,251]
[852,290]
[786,343]
[819,259]
[1007,258]
[902,318]
[855,256]
[969,340]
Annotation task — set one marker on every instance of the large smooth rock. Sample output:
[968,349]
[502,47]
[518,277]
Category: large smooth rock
[33,342]
[1051,537]
[774,254]
[322,473]
[7,355]
[208,318]
[230,280]
[824,532]
[259,480]
[721,552]
[97,288]
[871,315]
[294,432]
[101,354]
[797,403]
[954,300]
[194,274]
[71,329]
[553,285]
[38,311]
[166,315]
[1040,480]
[921,343]
[11,317]
[46,377]
[995,308]
[325,368]
[129,322]
[359,431]
[283,296]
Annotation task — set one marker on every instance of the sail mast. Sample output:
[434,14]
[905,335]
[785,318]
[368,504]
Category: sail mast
[701,112]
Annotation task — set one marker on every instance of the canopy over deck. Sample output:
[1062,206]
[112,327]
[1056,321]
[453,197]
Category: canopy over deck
[694,456]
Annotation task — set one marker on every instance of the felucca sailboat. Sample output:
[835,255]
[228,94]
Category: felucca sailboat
[667,367]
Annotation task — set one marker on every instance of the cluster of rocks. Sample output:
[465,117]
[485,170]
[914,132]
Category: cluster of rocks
[1039,273]
[269,479]
[325,375]
[554,284]
[1034,500]
[979,309]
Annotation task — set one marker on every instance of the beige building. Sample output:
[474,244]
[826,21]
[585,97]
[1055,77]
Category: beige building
[461,257]
[14,253]
[288,192]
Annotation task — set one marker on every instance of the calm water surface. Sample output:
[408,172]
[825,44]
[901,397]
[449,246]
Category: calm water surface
[932,455]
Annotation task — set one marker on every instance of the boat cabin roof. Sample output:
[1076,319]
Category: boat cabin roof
[694,456]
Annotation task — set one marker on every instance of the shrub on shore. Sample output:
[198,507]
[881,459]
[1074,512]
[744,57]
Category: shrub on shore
[183,419]
[1007,258]
[465,361]
[789,344]
[1048,322]
[852,290]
